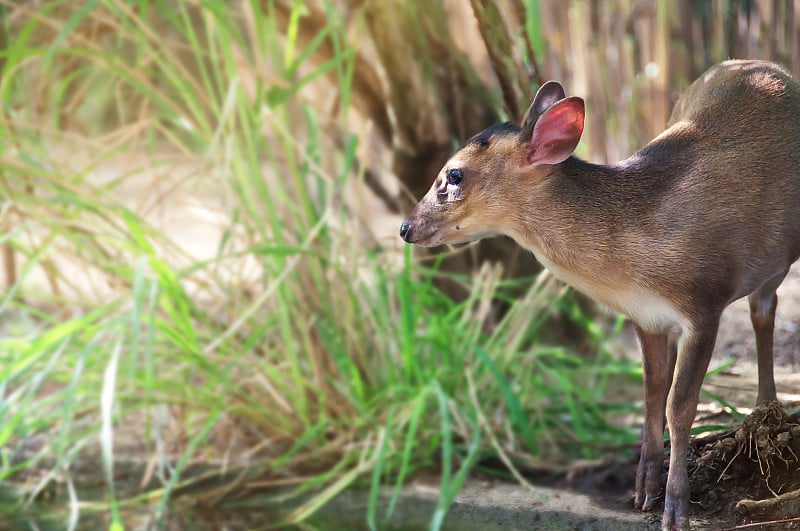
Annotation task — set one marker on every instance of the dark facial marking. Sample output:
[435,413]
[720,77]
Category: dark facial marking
[482,138]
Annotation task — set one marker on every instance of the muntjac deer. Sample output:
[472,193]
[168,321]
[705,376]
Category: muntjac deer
[706,213]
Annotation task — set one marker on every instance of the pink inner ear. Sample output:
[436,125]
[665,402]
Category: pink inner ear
[557,132]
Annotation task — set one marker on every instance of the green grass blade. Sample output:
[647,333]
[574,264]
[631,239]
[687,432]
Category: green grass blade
[107,431]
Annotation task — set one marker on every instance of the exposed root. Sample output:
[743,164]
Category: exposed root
[784,506]
[757,460]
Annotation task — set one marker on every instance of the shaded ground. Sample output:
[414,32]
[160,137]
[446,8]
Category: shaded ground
[724,470]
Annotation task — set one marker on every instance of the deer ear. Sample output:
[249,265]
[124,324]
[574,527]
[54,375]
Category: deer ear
[546,96]
[557,132]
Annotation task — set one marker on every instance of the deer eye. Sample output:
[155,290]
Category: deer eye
[454,176]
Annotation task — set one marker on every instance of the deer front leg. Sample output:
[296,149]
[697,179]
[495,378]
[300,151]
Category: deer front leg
[658,364]
[694,353]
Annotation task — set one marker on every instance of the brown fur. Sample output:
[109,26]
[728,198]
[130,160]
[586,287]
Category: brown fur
[706,213]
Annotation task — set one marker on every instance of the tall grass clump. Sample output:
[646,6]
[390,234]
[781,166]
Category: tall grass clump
[280,343]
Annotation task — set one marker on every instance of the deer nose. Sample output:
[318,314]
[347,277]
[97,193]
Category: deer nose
[405,228]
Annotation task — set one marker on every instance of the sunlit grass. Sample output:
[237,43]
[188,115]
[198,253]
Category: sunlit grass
[297,354]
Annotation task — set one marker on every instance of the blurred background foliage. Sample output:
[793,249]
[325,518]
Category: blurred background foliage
[201,270]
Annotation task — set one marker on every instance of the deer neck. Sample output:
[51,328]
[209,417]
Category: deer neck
[573,214]
[592,227]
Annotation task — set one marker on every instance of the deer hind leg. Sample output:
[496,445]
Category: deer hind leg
[763,302]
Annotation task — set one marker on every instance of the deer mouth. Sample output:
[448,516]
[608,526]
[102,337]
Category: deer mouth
[410,232]
[427,241]
[424,241]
